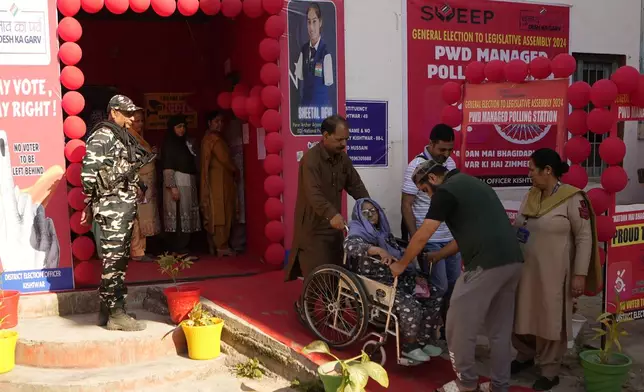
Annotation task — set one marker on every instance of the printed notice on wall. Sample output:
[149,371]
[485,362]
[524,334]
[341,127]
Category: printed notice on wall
[24,32]
[367,145]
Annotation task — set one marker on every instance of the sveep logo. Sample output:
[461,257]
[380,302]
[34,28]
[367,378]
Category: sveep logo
[456,15]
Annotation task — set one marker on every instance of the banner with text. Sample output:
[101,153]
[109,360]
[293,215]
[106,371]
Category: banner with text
[626,112]
[35,240]
[368,144]
[161,106]
[502,160]
[625,265]
[443,38]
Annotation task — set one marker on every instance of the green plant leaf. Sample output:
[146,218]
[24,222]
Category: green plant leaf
[358,375]
[364,357]
[317,347]
[604,316]
[377,372]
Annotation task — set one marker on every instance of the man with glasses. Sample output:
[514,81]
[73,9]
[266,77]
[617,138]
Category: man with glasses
[484,294]
[325,171]
[110,180]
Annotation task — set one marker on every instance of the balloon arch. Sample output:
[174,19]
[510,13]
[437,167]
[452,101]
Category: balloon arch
[258,105]
[602,119]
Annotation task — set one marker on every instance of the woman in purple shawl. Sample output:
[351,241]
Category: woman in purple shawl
[370,239]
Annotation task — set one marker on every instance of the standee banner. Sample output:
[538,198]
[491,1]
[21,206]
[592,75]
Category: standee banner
[35,243]
[503,160]
[625,265]
[444,37]
[626,112]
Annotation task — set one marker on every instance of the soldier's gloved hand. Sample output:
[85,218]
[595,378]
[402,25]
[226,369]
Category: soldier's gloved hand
[27,237]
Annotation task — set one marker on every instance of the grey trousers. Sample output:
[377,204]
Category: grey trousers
[483,298]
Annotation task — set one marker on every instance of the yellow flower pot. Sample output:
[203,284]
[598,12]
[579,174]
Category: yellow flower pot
[204,342]
[8,341]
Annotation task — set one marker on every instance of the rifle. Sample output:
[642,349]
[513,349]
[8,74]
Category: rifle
[104,184]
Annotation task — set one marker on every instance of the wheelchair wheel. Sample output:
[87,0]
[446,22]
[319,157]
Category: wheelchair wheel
[335,305]
[375,351]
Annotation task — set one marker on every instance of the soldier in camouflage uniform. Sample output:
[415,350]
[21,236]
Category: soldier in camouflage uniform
[113,190]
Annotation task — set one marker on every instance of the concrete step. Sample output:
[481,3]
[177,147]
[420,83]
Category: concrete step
[226,382]
[146,376]
[75,341]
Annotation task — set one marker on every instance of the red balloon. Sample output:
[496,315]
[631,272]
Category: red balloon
[614,179]
[73,103]
[271,97]
[83,248]
[451,116]
[117,6]
[273,143]
[606,228]
[274,186]
[76,199]
[603,93]
[75,150]
[275,254]
[273,164]
[72,78]
[577,149]
[475,72]
[253,8]
[256,91]
[87,274]
[626,79]
[612,150]
[269,49]
[224,100]
[239,106]
[164,7]
[451,92]
[210,7]
[600,200]
[74,127]
[273,208]
[272,7]
[516,71]
[274,231]
[231,8]
[270,74]
[600,120]
[188,7]
[540,67]
[69,29]
[275,26]
[271,120]
[563,65]
[255,121]
[92,6]
[70,53]
[578,122]
[69,7]
[75,223]
[579,95]
[73,174]
[576,177]
[240,90]
[140,6]
[254,106]
[495,71]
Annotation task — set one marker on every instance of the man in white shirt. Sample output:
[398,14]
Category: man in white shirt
[415,205]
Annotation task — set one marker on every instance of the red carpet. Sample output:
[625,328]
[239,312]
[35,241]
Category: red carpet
[267,302]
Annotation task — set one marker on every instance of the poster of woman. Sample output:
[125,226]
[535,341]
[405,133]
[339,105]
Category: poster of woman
[312,64]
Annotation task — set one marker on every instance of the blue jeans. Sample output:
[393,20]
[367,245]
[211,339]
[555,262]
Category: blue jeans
[445,272]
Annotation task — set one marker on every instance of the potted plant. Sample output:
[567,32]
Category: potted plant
[203,333]
[350,375]
[181,299]
[8,341]
[606,370]
[9,309]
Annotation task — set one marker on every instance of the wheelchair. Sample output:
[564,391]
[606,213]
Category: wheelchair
[339,306]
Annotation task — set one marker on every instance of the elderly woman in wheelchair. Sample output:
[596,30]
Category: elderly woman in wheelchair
[370,247]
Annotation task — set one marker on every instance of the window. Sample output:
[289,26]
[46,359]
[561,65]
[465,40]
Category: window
[591,68]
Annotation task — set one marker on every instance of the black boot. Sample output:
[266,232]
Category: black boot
[104,315]
[118,320]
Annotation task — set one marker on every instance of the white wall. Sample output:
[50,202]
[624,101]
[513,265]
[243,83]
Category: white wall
[597,26]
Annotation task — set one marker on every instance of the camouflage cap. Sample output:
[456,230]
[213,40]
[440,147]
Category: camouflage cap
[122,103]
